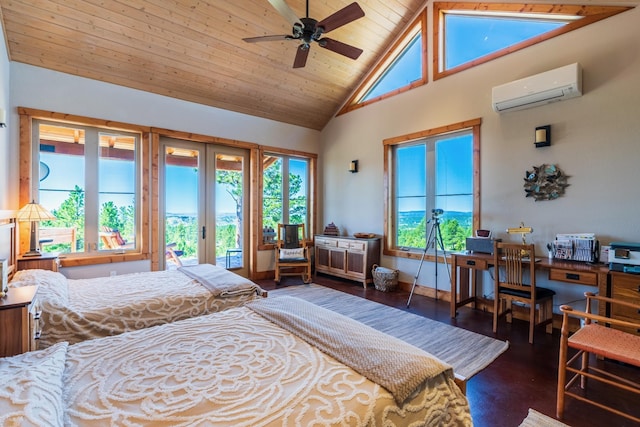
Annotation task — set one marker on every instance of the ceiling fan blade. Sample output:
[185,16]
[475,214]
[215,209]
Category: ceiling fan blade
[286,12]
[343,16]
[266,38]
[339,47]
[301,56]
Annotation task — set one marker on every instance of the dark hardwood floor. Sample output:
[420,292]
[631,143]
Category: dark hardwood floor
[523,377]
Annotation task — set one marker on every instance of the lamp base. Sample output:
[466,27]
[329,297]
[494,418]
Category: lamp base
[34,252]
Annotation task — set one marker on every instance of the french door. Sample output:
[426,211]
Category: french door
[203,204]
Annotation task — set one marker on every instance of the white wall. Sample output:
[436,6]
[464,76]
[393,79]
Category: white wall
[595,140]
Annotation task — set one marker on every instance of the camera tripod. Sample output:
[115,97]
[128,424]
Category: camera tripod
[433,238]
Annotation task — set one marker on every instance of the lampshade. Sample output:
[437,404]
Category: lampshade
[34,212]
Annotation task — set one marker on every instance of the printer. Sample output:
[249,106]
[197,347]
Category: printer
[482,242]
[625,257]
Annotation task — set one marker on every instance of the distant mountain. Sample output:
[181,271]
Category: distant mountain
[411,219]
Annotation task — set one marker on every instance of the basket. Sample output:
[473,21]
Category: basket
[384,279]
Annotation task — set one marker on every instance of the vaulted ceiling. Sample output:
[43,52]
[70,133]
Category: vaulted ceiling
[193,50]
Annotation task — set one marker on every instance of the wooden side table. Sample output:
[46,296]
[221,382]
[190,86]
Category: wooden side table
[19,321]
[46,261]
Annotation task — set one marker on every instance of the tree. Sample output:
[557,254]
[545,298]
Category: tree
[272,197]
[232,181]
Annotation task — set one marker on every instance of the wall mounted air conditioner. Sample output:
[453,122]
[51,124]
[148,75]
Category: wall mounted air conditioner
[544,88]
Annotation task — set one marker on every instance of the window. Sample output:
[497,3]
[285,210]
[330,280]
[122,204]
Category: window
[432,181]
[402,68]
[285,193]
[89,179]
[472,36]
[469,34]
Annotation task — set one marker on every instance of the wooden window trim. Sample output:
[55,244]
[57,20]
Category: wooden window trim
[27,115]
[419,25]
[313,193]
[388,179]
[590,15]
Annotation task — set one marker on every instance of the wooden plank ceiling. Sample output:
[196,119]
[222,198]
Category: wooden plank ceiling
[193,50]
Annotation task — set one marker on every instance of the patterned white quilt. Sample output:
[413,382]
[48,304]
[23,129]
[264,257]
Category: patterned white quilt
[235,368]
[75,310]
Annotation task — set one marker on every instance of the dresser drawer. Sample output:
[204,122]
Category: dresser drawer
[357,246]
[572,276]
[327,243]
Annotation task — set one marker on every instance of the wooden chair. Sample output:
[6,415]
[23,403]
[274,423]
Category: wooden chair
[58,235]
[173,255]
[614,342]
[516,259]
[292,252]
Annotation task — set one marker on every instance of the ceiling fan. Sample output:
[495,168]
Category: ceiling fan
[309,30]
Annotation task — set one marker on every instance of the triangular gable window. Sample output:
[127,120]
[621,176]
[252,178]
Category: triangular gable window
[472,36]
[469,34]
[402,68]
[465,35]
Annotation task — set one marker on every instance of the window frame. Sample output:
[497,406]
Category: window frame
[311,190]
[419,25]
[29,183]
[589,14]
[389,144]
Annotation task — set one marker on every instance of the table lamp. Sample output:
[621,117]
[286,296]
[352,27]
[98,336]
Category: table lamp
[35,213]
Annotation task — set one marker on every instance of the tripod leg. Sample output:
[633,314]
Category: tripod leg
[415,279]
[426,248]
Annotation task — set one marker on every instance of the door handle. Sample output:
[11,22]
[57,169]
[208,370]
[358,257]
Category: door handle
[204,232]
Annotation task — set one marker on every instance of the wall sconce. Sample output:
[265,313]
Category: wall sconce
[3,118]
[353,166]
[543,136]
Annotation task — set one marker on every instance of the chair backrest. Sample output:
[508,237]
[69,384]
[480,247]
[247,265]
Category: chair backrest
[291,236]
[58,235]
[516,259]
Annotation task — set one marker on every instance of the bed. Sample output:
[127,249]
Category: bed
[256,365]
[74,310]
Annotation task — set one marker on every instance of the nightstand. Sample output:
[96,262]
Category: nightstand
[19,321]
[46,261]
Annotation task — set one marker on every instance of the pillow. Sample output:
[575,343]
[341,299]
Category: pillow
[32,390]
[292,253]
[51,283]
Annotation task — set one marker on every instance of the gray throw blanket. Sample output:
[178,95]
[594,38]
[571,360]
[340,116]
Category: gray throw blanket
[394,364]
[221,282]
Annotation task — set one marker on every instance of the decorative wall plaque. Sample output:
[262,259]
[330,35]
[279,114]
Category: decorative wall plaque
[545,182]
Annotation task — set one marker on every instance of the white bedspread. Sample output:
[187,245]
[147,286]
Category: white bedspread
[78,310]
[235,368]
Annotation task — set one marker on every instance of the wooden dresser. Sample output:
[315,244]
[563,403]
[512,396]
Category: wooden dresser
[19,321]
[626,287]
[347,257]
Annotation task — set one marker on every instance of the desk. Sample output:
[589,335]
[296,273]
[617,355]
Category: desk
[465,266]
